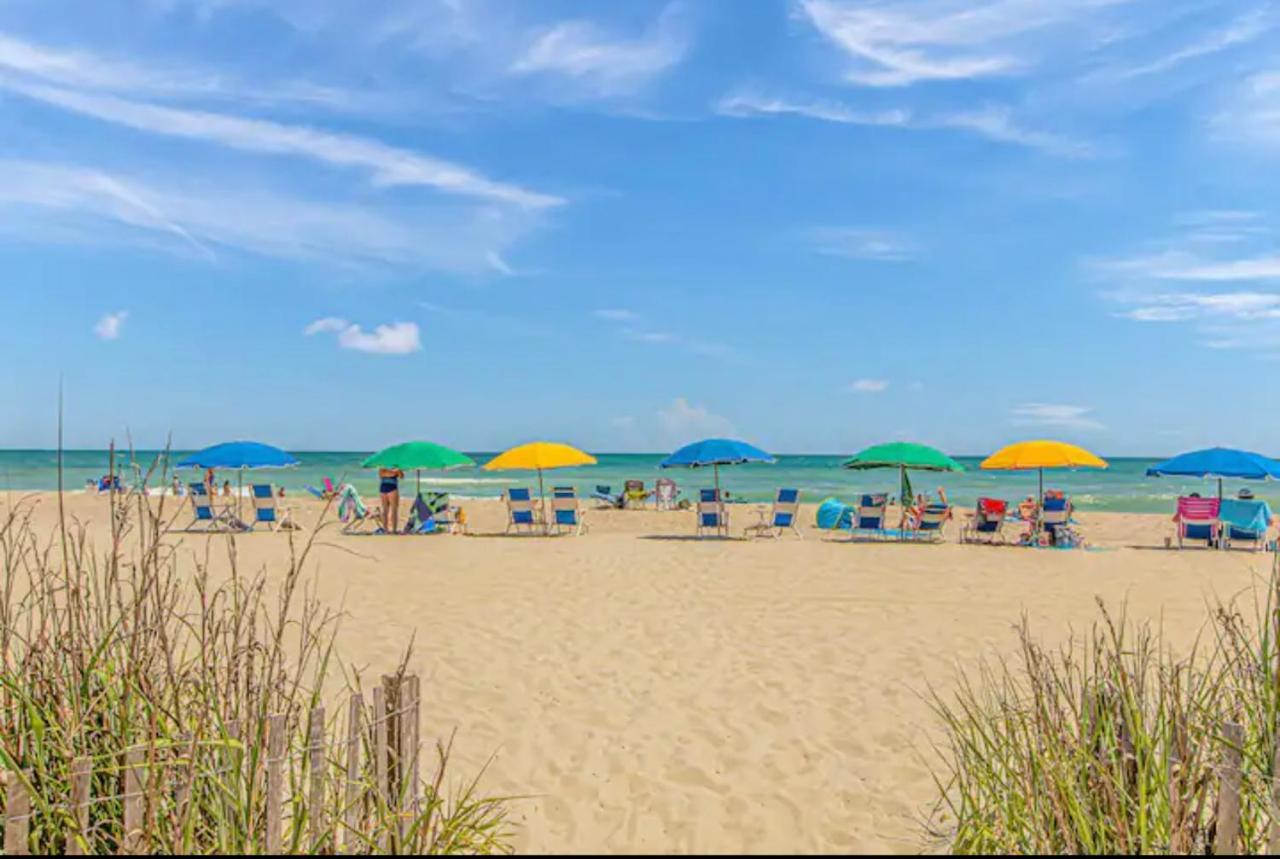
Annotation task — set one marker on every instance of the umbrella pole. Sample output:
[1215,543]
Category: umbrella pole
[715,469]
[542,500]
[1040,505]
[902,498]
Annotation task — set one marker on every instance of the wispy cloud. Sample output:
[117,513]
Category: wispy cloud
[1184,306]
[683,420]
[1252,112]
[1056,416]
[616,314]
[1240,31]
[1184,265]
[110,326]
[396,338]
[602,63]
[862,243]
[869,386]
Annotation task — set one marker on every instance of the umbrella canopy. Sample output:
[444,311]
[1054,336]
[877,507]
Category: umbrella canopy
[539,456]
[715,452]
[903,454]
[1026,455]
[416,455]
[1219,462]
[239,455]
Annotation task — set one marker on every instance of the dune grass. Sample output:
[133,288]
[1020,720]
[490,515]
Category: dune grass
[137,645]
[1113,743]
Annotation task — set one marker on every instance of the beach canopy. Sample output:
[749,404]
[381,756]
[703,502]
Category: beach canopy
[715,452]
[1028,455]
[1219,462]
[418,455]
[239,455]
[903,455]
[539,456]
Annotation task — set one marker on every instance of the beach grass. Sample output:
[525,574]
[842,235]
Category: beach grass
[139,647]
[1113,743]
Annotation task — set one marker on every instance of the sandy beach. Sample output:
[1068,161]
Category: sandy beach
[652,692]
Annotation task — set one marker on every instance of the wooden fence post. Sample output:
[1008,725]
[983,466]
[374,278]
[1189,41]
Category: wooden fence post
[397,727]
[132,842]
[1227,840]
[275,783]
[415,737]
[351,802]
[17,816]
[1273,847]
[315,753]
[81,774]
[380,751]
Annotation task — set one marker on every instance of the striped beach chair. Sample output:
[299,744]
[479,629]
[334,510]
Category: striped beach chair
[566,512]
[1198,520]
[267,511]
[783,516]
[986,525]
[868,516]
[712,515]
[522,510]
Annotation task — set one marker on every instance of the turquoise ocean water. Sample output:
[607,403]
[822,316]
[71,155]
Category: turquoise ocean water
[1123,488]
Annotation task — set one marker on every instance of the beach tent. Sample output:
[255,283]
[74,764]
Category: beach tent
[239,455]
[418,456]
[713,453]
[1219,462]
[1039,455]
[903,455]
[539,456]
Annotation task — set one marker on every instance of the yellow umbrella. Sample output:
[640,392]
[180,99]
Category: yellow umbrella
[539,456]
[1040,455]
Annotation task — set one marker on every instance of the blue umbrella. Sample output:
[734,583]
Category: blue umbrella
[239,455]
[715,452]
[1219,462]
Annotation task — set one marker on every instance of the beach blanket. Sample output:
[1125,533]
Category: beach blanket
[834,514]
[1251,516]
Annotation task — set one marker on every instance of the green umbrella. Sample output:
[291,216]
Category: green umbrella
[417,456]
[903,455]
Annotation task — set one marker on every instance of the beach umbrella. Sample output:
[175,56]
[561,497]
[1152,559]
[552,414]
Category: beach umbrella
[539,456]
[239,455]
[715,452]
[1219,462]
[418,456]
[1039,455]
[903,455]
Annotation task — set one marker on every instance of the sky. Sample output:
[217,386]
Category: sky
[812,224]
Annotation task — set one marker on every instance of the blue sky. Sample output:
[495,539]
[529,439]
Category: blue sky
[814,224]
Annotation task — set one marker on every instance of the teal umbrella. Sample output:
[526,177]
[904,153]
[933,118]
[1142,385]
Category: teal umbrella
[418,456]
[903,455]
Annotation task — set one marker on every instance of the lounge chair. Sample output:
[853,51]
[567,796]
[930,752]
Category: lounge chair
[664,494]
[606,494]
[712,515]
[208,516]
[1198,519]
[987,522]
[328,493]
[868,516]
[634,494]
[1245,522]
[266,511]
[929,526]
[1055,514]
[522,510]
[783,516]
[356,516]
[566,514]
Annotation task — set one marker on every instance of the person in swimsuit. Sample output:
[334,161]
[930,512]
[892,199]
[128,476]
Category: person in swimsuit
[389,489]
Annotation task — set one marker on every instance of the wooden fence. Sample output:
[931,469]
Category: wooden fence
[351,787]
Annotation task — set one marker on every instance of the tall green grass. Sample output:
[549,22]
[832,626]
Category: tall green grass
[138,645]
[1112,743]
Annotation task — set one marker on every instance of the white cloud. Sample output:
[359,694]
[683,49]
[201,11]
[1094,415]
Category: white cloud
[110,326]
[991,122]
[397,338]
[684,420]
[649,336]
[1182,265]
[387,165]
[602,63]
[862,243]
[1183,306]
[1252,112]
[1244,29]
[615,314]
[869,386]
[1056,416]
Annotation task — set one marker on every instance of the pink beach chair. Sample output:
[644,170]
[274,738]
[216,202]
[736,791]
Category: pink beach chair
[1198,519]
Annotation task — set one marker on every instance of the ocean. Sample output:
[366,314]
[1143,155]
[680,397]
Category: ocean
[1124,487]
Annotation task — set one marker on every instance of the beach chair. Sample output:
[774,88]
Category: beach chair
[664,494]
[783,516]
[566,514]
[266,511]
[606,494]
[1245,522]
[328,493]
[522,510]
[932,519]
[1055,514]
[1198,519]
[356,516]
[634,494]
[712,515]
[868,516]
[986,525]
[207,515]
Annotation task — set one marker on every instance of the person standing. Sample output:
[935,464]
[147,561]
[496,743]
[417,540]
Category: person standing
[389,489]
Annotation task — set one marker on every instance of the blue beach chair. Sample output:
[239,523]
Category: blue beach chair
[783,516]
[932,519]
[987,523]
[266,511]
[566,514]
[1246,522]
[522,510]
[1055,514]
[208,516]
[712,515]
[868,516]
[606,494]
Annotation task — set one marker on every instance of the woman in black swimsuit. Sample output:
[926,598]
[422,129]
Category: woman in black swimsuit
[389,489]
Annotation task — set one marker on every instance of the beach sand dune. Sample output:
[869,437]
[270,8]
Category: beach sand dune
[649,692]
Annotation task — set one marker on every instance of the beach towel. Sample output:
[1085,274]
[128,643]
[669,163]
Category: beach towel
[992,507]
[834,514]
[350,505]
[1251,516]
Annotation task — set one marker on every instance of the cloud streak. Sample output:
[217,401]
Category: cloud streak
[396,338]
[1056,416]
